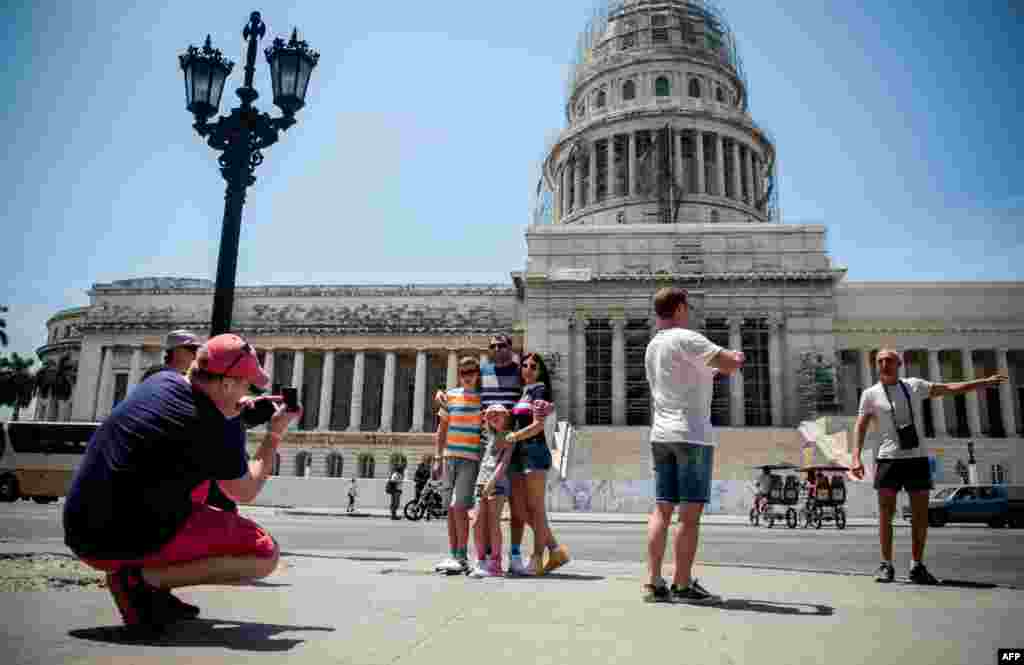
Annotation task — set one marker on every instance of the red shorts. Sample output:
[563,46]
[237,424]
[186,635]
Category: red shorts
[208,532]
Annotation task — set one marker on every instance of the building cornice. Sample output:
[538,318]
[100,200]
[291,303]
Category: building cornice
[323,291]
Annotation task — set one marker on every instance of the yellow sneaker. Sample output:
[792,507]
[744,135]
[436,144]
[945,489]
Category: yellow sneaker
[557,558]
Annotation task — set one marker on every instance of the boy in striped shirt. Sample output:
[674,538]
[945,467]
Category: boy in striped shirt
[458,442]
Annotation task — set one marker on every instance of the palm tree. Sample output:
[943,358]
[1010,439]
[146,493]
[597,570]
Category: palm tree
[3,324]
[56,379]
[17,382]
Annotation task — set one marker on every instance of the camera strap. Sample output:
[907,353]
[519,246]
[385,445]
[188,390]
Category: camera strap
[910,404]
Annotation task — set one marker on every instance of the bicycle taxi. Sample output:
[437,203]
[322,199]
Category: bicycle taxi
[778,500]
[824,495]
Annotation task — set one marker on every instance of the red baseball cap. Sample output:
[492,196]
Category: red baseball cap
[231,355]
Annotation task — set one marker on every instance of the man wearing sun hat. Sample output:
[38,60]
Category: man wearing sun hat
[130,511]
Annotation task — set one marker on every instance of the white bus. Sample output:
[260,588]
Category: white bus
[38,459]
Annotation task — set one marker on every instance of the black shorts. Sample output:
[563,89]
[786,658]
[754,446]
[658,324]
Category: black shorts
[912,475]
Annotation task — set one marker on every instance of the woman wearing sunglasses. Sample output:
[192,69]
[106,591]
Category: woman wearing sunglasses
[531,460]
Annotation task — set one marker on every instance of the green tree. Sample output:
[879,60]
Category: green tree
[56,378]
[17,382]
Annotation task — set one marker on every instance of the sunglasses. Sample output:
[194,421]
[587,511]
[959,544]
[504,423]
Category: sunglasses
[499,345]
[469,372]
[245,351]
[531,366]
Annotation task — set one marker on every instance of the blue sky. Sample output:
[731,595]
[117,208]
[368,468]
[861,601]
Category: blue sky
[416,156]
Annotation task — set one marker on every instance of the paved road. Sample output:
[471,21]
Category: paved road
[973,554]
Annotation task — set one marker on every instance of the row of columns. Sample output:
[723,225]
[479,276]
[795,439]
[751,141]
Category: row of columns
[737,406]
[326,396]
[935,375]
[746,162]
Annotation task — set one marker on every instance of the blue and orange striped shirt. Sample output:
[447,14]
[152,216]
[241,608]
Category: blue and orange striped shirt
[463,425]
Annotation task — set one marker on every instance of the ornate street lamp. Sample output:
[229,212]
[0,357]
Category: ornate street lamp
[242,135]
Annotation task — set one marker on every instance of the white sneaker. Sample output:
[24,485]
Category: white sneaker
[516,568]
[480,571]
[449,565]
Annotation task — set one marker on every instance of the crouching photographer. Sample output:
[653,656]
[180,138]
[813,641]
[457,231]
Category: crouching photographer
[902,454]
[132,510]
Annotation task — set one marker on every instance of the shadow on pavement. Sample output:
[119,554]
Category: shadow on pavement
[237,635]
[772,607]
[344,558]
[565,576]
[957,584]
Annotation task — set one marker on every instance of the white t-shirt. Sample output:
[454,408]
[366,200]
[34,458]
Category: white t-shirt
[873,401]
[681,385]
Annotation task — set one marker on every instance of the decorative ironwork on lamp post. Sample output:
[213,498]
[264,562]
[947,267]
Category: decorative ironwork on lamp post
[242,136]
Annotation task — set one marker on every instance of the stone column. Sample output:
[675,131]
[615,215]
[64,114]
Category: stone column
[135,373]
[737,170]
[938,408]
[387,414]
[577,195]
[83,397]
[775,363]
[592,189]
[748,175]
[756,165]
[973,412]
[104,399]
[326,391]
[918,413]
[453,369]
[268,364]
[298,369]
[1006,395]
[631,153]
[698,152]
[680,170]
[355,412]
[866,380]
[719,166]
[618,371]
[419,392]
[737,408]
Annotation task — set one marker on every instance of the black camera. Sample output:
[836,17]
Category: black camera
[907,435]
[258,413]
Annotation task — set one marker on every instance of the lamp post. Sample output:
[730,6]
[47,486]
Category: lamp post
[241,136]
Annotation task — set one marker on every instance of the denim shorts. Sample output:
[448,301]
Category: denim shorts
[462,475]
[501,488]
[530,456]
[682,472]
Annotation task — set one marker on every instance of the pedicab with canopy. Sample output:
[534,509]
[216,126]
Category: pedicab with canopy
[781,499]
[824,496]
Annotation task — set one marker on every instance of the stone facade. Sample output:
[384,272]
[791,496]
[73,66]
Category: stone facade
[661,177]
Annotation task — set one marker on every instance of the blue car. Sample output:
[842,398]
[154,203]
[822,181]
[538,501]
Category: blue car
[994,505]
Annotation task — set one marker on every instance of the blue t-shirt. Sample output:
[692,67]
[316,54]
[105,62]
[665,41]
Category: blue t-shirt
[131,493]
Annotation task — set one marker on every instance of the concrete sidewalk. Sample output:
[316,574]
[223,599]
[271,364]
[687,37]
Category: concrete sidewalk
[565,518]
[365,608]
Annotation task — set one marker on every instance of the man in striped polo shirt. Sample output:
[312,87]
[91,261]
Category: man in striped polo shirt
[458,443]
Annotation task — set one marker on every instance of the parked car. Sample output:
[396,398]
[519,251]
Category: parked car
[995,505]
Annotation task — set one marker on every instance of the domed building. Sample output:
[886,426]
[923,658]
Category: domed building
[661,176]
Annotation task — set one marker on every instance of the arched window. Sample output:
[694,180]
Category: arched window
[581,110]
[629,90]
[366,465]
[695,88]
[628,35]
[335,464]
[662,87]
[302,460]
[602,98]
[659,29]
[719,95]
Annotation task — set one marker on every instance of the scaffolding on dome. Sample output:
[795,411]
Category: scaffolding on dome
[702,28]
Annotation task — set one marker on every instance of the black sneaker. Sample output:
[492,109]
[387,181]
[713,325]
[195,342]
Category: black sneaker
[141,607]
[657,593]
[920,575]
[885,573]
[176,607]
[694,594]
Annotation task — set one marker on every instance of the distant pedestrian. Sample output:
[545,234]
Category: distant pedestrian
[394,488]
[681,365]
[420,478]
[353,493]
[902,455]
